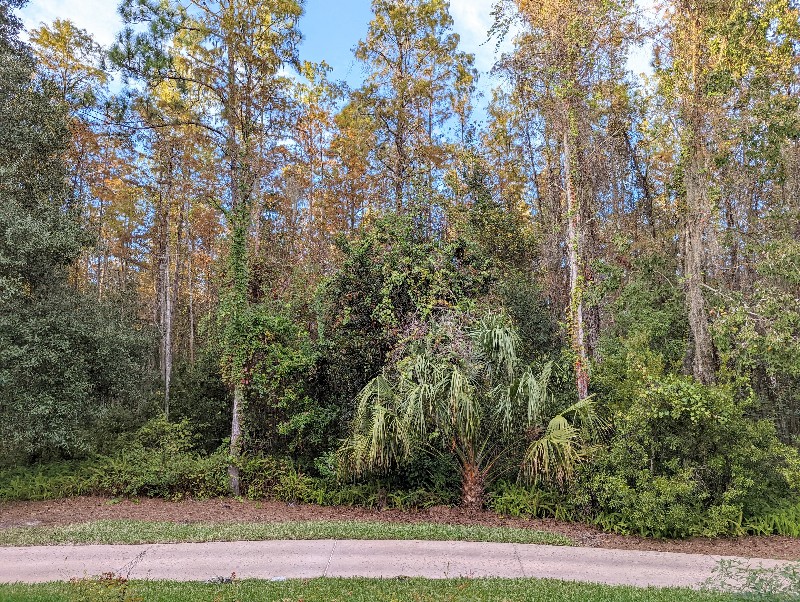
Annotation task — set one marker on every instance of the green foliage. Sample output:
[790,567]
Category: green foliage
[395,277]
[522,299]
[278,372]
[46,481]
[64,358]
[261,474]
[460,389]
[648,310]
[782,520]
[497,229]
[757,333]
[746,581]
[161,461]
[391,277]
[279,479]
[199,396]
[158,460]
[295,487]
[686,460]
[65,363]
[532,502]
[660,507]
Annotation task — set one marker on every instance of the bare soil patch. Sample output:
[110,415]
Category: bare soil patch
[85,509]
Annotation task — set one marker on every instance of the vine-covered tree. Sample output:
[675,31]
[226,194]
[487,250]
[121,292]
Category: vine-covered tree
[230,55]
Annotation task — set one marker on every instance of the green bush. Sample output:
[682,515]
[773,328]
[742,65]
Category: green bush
[295,487]
[686,460]
[162,461]
[162,474]
[661,507]
[45,481]
[280,414]
[393,275]
[199,395]
[260,475]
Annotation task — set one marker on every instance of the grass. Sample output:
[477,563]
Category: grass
[134,532]
[350,590]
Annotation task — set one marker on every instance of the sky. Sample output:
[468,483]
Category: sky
[331,28]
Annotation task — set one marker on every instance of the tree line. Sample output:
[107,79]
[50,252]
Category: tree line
[600,277]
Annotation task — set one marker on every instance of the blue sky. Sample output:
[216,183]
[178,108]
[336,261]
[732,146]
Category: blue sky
[331,28]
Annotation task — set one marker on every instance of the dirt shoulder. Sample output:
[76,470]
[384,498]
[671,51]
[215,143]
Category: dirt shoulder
[85,509]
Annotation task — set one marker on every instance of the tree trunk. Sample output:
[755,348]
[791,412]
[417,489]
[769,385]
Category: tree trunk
[574,259]
[236,439]
[240,167]
[167,337]
[695,229]
[698,232]
[162,289]
[190,277]
[472,487]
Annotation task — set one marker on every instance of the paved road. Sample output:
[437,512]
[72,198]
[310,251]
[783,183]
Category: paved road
[328,558]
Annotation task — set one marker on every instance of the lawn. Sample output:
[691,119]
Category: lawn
[351,590]
[135,532]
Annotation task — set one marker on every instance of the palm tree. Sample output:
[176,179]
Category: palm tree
[464,391]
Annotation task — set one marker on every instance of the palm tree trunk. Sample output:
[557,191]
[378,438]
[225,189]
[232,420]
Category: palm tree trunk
[472,486]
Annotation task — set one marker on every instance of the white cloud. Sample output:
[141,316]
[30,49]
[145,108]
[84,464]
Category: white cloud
[472,21]
[98,17]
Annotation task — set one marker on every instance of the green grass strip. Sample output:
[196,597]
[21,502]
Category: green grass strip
[352,590]
[133,532]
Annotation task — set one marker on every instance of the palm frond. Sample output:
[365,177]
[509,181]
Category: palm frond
[556,454]
[532,391]
[465,410]
[584,412]
[497,341]
[378,439]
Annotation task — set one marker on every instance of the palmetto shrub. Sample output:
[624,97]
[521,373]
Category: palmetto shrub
[459,388]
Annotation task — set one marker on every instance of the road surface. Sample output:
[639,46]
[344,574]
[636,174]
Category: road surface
[345,558]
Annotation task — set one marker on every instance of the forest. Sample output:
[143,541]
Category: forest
[225,273]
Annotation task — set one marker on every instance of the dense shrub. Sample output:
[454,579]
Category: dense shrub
[162,461]
[393,276]
[66,361]
[46,481]
[784,519]
[199,396]
[281,415]
[686,460]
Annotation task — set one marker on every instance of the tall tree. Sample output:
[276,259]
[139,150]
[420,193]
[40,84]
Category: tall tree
[569,55]
[719,65]
[691,65]
[417,81]
[62,357]
[230,55]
